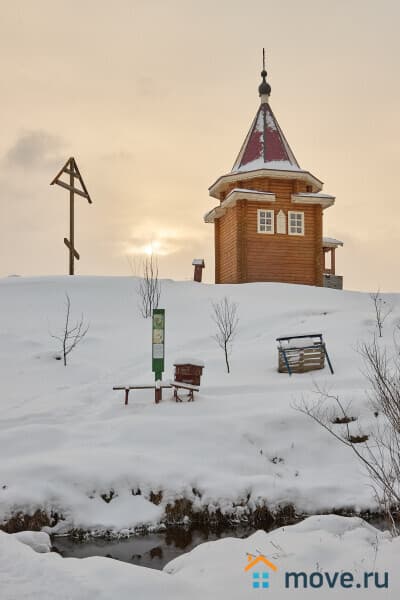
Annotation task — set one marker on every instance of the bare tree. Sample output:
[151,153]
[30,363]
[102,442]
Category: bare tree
[149,289]
[382,310]
[225,317]
[72,333]
[132,264]
[379,450]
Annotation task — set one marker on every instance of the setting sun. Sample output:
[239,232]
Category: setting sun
[152,248]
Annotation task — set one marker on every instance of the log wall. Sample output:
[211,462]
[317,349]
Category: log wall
[244,255]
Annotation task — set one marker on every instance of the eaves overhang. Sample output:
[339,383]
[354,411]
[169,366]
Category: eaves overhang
[217,189]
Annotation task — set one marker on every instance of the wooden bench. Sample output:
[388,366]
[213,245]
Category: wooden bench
[181,385]
[150,386]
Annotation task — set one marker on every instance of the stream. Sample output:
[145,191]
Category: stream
[155,550]
[152,550]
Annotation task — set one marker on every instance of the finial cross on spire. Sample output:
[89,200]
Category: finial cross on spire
[264,89]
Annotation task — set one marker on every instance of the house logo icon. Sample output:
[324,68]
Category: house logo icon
[260,575]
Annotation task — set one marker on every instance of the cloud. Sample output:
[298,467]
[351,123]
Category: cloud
[35,149]
[118,156]
[161,239]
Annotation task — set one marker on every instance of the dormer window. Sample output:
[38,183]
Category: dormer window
[265,221]
[296,222]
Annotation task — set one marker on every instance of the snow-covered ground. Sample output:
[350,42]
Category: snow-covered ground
[325,548]
[66,438]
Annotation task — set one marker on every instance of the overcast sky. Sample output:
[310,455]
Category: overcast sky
[154,99]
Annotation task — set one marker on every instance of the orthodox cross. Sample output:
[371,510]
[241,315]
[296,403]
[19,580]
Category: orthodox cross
[71,168]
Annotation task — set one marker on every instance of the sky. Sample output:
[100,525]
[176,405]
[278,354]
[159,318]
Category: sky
[154,98]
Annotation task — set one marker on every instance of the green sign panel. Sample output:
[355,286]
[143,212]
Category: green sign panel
[158,342]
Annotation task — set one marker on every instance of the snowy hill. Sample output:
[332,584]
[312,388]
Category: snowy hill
[66,438]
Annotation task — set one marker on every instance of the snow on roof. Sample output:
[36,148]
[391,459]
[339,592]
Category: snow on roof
[255,194]
[189,361]
[326,200]
[221,185]
[233,196]
[260,163]
[265,146]
[314,195]
[213,214]
[331,242]
[294,343]
[248,190]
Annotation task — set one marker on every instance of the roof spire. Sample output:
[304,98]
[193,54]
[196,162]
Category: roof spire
[264,88]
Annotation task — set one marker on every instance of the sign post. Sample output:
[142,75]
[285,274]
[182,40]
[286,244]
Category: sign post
[158,340]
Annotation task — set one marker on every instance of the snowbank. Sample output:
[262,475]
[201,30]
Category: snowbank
[69,445]
[39,541]
[323,544]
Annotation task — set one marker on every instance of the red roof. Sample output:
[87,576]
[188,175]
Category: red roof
[265,146]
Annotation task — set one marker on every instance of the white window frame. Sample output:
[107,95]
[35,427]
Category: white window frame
[295,212]
[272,217]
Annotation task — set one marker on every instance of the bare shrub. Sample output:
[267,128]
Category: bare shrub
[225,317]
[149,290]
[378,450]
[72,334]
[382,310]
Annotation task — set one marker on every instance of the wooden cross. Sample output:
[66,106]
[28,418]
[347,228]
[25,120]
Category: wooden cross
[71,168]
